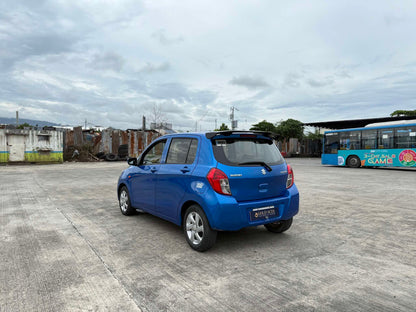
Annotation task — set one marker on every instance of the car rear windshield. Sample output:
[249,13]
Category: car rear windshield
[237,151]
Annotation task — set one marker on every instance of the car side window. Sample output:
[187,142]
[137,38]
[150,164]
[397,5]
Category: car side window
[192,151]
[154,155]
[182,151]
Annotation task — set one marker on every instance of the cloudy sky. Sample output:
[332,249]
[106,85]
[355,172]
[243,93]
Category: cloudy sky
[111,62]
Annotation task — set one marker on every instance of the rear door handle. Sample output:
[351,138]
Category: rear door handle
[153,169]
[185,169]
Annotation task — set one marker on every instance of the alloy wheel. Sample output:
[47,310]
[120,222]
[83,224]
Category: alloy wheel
[194,228]
[124,201]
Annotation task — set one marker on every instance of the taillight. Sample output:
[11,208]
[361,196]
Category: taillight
[290,177]
[219,181]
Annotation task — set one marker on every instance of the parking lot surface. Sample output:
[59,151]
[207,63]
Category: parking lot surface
[65,246]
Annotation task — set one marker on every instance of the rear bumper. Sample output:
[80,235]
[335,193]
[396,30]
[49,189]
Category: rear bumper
[230,215]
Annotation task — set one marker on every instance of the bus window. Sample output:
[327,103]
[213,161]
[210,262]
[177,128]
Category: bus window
[350,140]
[369,139]
[331,143]
[385,138]
[405,137]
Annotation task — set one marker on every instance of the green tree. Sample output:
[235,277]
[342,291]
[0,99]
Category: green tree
[290,128]
[264,126]
[403,113]
[23,125]
[223,127]
[314,135]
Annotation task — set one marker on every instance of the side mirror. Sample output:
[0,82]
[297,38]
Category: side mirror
[132,161]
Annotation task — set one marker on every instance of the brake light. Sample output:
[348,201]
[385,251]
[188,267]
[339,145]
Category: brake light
[219,181]
[290,177]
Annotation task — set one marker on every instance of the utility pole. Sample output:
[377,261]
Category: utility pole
[215,124]
[144,131]
[85,124]
[234,123]
[17,118]
[199,121]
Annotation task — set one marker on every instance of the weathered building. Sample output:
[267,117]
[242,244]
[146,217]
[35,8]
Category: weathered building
[116,144]
[30,145]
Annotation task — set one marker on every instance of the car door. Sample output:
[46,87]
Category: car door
[174,176]
[143,179]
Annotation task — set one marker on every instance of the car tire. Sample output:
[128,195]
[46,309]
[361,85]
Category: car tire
[111,157]
[353,162]
[279,226]
[124,202]
[197,230]
[123,151]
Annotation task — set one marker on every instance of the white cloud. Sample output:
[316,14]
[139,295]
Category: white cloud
[249,82]
[153,68]
[108,61]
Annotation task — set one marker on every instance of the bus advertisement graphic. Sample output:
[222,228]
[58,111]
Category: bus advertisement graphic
[407,158]
[382,157]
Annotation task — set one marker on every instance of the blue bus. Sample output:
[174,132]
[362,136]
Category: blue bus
[384,144]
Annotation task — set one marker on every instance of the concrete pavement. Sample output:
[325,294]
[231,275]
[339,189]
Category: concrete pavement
[66,247]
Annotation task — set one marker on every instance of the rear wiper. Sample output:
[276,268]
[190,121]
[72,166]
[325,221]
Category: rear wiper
[268,168]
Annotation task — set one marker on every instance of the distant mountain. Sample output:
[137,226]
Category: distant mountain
[39,123]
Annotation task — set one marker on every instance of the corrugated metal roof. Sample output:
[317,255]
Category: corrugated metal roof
[354,123]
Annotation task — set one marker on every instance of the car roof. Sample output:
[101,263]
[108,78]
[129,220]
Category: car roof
[183,134]
[268,134]
[212,134]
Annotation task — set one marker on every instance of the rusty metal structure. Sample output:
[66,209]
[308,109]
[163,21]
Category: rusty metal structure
[108,143]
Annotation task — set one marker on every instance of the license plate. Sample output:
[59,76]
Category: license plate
[262,213]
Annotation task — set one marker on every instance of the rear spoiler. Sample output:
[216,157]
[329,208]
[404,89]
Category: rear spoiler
[267,134]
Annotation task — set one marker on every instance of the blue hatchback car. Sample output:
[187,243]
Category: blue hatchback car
[209,182]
